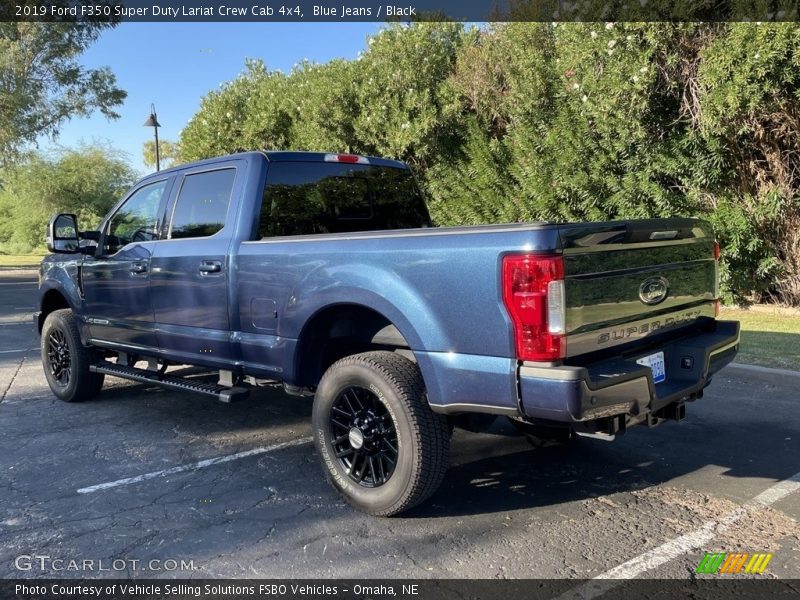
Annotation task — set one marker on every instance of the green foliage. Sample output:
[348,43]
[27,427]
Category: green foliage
[324,107]
[749,262]
[387,102]
[567,121]
[43,83]
[169,153]
[87,181]
[399,91]
[458,185]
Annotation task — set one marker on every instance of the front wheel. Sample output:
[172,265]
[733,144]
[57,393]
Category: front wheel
[380,444]
[65,360]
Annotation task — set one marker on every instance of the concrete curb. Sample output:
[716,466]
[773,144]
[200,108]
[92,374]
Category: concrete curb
[766,374]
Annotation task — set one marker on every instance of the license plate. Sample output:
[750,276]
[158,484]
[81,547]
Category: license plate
[656,364]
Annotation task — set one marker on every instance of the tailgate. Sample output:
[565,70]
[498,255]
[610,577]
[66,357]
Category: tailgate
[627,280]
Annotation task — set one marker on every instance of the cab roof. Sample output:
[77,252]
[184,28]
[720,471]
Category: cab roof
[278,156]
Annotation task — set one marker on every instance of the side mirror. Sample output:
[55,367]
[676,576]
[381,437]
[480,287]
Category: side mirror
[62,234]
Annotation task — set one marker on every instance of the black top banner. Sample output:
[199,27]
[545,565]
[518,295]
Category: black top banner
[398,10]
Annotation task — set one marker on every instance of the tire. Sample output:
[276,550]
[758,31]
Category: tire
[66,360]
[398,456]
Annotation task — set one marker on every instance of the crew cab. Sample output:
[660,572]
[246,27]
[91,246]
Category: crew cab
[323,273]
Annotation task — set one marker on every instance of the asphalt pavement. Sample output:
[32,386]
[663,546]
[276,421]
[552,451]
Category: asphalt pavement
[144,482]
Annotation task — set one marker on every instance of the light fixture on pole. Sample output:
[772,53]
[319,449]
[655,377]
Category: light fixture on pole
[152,121]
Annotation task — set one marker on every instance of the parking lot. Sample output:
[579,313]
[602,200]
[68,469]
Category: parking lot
[168,484]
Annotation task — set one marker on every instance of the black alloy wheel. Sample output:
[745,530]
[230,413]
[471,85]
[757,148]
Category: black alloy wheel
[58,357]
[364,437]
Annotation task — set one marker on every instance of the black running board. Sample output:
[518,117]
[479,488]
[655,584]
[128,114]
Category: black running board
[220,392]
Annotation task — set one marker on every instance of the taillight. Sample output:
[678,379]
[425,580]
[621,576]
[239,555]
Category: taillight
[347,158]
[533,294]
[716,251]
[717,304]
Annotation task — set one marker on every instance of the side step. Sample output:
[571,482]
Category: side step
[220,392]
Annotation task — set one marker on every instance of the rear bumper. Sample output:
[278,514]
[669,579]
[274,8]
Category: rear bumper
[620,386]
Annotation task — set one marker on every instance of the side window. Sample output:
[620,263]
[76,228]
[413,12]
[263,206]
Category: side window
[136,220]
[202,204]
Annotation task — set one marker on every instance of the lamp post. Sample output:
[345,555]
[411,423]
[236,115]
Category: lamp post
[152,121]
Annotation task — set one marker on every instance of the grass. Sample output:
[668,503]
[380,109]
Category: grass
[769,339]
[20,260]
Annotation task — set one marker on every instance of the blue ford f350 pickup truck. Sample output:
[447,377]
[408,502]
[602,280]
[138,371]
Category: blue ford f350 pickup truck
[322,273]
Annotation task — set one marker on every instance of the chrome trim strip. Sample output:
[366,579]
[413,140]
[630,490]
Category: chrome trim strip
[726,347]
[565,374]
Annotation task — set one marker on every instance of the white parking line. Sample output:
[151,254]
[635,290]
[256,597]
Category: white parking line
[13,351]
[681,545]
[194,466]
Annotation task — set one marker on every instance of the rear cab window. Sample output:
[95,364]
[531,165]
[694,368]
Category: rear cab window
[302,198]
[202,204]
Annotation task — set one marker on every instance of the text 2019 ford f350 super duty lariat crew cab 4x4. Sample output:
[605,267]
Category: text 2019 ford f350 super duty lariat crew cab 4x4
[321,272]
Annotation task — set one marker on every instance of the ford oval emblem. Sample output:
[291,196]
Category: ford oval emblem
[653,290]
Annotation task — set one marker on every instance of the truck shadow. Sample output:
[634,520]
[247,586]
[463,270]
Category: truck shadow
[585,469]
[499,471]
[201,415]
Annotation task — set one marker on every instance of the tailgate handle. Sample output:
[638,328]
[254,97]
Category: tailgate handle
[210,266]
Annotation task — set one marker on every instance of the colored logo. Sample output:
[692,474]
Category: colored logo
[653,290]
[742,562]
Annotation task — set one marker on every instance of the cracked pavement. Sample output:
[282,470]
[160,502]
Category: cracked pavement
[505,509]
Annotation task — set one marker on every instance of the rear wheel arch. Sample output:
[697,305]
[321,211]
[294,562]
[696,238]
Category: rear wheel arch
[341,330]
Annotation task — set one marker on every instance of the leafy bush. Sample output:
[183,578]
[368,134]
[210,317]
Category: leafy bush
[87,181]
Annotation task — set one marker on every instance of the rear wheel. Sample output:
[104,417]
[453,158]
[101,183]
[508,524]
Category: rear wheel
[380,444]
[66,361]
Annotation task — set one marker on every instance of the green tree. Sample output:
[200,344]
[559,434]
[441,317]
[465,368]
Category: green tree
[87,181]
[42,84]
[169,154]
[324,106]
[748,89]
[252,112]
[400,93]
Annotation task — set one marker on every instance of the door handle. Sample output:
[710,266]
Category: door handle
[210,266]
[138,268]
